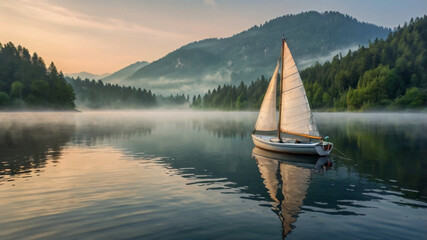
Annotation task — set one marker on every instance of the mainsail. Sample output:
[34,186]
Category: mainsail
[267,118]
[296,116]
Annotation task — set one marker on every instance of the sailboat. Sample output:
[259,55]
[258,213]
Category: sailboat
[297,130]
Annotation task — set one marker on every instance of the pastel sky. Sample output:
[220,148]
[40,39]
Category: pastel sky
[103,36]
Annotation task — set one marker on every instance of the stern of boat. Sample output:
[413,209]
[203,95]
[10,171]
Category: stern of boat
[324,148]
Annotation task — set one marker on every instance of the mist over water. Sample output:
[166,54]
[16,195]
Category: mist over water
[196,175]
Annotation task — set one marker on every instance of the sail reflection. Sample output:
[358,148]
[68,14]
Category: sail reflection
[286,178]
[225,125]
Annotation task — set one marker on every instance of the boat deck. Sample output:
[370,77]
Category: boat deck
[287,145]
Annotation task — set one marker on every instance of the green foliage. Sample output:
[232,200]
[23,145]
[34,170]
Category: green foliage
[97,95]
[413,98]
[230,97]
[390,73]
[172,100]
[373,77]
[4,99]
[38,89]
[29,83]
[16,89]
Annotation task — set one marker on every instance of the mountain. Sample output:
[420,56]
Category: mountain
[245,56]
[123,73]
[84,75]
[390,73]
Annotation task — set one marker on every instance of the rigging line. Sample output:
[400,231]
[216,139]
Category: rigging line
[338,156]
[342,153]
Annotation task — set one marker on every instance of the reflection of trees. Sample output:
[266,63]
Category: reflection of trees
[98,128]
[25,146]
[225,128]
[28,140]
[384,147]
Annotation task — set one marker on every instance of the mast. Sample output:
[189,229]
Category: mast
[280,95]
[295,113]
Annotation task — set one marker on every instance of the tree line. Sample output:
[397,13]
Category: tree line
[26,83]
[96,95]
[99,95]
[390,73]
[229,97]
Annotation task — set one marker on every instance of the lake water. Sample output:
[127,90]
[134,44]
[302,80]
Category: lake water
[197,175]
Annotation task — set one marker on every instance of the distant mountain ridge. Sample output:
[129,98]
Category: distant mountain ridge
[246,56]
[388,74]
[124,73]
[84,75]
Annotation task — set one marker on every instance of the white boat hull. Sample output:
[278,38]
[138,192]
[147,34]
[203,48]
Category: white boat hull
[317,148]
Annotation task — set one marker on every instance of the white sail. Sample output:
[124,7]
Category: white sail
[267,118]
[296,116]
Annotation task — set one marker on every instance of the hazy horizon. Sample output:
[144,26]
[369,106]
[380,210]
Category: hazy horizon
[104,36]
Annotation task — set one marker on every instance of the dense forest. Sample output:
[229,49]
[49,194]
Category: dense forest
[95,95]
[230,97]
[99,95]
[26,83]
[389,74]
[173,100]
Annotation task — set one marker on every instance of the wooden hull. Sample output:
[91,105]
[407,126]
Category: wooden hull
[294,148]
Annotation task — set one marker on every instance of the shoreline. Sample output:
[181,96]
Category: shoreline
[424,111]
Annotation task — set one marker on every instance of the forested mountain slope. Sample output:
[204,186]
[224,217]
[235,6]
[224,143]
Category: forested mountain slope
[123,73]
[388,74]
[205,64]
[391,72]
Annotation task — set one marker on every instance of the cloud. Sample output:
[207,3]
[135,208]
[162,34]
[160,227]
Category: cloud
[308,62]
[48,12]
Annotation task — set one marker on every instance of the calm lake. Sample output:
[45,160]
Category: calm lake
[197,175]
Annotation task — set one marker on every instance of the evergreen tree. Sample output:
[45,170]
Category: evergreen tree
[28,84]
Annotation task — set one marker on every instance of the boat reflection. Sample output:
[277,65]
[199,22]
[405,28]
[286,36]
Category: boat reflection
[286,178]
